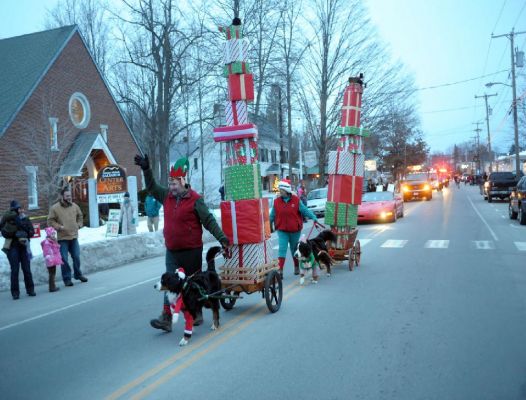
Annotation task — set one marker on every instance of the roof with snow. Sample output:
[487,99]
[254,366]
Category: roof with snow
[25,61]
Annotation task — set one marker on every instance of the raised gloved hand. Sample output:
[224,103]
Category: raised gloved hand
[142,162]
[175,317]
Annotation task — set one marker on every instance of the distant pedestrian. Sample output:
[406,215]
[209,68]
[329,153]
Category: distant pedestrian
[128,222]
[52,257]
[152,208]
[66,217]
[222,192]
[19,252]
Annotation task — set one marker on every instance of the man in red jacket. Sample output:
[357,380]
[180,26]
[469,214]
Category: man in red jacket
[185,214]
[287,215]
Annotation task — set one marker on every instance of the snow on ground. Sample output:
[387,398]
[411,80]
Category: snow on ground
[99,252]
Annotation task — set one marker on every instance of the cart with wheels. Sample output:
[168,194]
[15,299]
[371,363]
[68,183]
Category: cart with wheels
[264,279]
[348,248]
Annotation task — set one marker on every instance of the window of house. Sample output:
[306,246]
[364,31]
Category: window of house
[273,155]
[196,163]
[104,132]
[32,188]
[53,138]
[79,110]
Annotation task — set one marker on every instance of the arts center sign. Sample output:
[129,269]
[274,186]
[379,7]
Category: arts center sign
[111,184]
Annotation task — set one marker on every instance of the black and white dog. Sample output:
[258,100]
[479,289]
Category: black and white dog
[189,294]
[316,249]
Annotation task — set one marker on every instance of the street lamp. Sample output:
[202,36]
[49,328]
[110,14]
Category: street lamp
[515,122]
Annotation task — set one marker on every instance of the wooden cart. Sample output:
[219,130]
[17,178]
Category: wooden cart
[264,278]
[348,248]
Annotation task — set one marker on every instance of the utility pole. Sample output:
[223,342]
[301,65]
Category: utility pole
[477,131]
[511,36]
[280,128]
[487,125]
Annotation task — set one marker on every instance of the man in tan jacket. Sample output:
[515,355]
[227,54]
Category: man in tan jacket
[66,217]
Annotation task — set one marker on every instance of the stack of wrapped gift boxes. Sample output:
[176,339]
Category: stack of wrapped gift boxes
[244,214]
[346,167]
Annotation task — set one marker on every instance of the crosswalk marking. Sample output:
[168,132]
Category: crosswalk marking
[521,246]
[483,244]
[437,244]
[363,242]
[394,243]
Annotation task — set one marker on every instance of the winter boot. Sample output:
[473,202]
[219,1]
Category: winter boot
[281,263]
[296,265]
[164,322]
[52,272]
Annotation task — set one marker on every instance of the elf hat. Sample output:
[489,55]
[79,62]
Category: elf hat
[284,184]
[179,169]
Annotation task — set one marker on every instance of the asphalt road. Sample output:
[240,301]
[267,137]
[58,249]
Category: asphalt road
[437,310]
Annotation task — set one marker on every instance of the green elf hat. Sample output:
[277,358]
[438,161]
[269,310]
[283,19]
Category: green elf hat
[179,169]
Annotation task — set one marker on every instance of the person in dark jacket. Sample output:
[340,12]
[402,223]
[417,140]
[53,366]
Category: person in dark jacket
[18,253]
[287,214]
[185,214]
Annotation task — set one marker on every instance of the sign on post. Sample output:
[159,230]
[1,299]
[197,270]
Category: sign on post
[310,159]
[111,184]
[112,227]
[36,229]
[370,165]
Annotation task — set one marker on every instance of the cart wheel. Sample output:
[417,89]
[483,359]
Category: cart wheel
[273,291]
[357,252]
[351,258]
[227,303]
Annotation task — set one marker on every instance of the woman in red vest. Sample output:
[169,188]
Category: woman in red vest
[287,215]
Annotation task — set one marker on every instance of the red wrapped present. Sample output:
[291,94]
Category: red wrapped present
[350,116]
[245,221]
[226,133]
[345,189]
[250,255]
[241,152]
[352,103]
[236,113]
[241,87]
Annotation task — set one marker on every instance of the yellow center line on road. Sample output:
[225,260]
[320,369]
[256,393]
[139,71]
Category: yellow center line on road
[171,374]
[187,350]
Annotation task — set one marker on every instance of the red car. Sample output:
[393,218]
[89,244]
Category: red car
[380,206]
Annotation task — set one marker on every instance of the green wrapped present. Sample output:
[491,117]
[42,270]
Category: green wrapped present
[243,182]
[232,31]
[237,67]
[341,214]
[353,130]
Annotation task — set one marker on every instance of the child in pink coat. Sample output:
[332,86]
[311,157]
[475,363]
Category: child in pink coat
[51,251]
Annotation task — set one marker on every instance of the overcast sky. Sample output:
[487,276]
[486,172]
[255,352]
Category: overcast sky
[440,41]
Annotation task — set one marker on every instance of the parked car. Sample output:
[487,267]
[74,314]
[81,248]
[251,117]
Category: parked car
[517,206]
[499,184]
[316,200]
[416,186]
[381,206]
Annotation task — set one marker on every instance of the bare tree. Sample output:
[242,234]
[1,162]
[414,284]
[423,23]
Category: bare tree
[91,16]
[40,145]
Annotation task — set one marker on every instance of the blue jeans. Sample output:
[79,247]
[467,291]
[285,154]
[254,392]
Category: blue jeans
[17,256]
[72,247]
[288,239]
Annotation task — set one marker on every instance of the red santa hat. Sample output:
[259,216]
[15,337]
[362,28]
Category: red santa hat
[180,272]
[284,185]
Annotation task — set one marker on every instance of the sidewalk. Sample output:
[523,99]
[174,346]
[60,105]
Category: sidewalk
[98,252]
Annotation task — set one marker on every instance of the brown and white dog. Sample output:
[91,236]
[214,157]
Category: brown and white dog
[190,294]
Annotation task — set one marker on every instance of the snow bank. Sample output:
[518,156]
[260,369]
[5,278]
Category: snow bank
[97,252]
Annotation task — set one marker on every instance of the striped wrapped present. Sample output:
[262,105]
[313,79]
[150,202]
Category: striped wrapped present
[236,113]
[250,255]
[345,163]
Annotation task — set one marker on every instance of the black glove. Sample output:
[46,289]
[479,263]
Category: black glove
[225,244]
[142,162]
